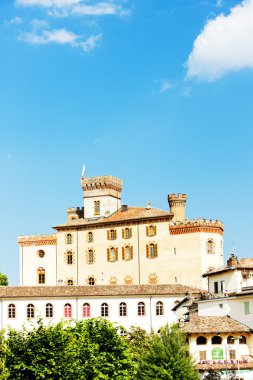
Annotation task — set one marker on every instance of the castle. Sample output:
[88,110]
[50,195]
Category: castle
[108,243]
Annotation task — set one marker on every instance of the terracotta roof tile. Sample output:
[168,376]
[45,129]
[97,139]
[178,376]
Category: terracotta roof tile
[95,290]
[214,325]
[242,264]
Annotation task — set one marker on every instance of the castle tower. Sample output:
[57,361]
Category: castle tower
[102,196]
[177,206]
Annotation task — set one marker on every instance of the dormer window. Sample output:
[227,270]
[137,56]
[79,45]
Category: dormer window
[97,208]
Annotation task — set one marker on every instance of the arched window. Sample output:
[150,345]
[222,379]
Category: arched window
[69,239]
[97,208]
[159,308]
[242,340]
[70,282]
[151,250]
[91,280]
[201,340]
[112,254]
[90,256]
[210,246]
[151,230]
[11,311]
[141,308]
[41,275]
[30,311]
[230,339]
[104,310]
[216,339]
[49,310]
[111,234]
[69,257]
[127,233]
[127,252]
[122,309]
[41,253]
[86,310]
[90,237]
[67,310]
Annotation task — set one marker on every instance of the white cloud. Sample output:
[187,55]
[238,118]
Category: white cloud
[14,21]
[224,45]
[63,8]
[62,37]
[165,85]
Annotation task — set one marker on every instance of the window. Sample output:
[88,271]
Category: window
[67,310]
[201,340]
[122,309]
[221,305]
[90,237]
[216,287]
[111,234]
[69,257]
[112,254]
[159,308]
[69,239]
[151,230]
[91,280]
[127,233]
[86,310]
[90,256]
[11,311]
[141,308]
[97,208]
[30,311]
[41,275]
[216,339]
[70,282]
[104,310]
[175,251]
[230,339]
[127,252]
[246,307]
[242,340]
[41,253]
[232,354]
[202,355]
[222,286]
[151,251]
[210,246]
[49,310]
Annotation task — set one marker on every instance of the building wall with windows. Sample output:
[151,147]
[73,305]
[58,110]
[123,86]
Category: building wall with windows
[146,306]
[125,245]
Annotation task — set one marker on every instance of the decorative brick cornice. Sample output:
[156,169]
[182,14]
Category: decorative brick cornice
[193,226]
[36,240]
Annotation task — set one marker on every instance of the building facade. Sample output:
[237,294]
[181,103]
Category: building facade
[106,243]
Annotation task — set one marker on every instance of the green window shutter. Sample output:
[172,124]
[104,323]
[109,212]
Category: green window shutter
[246,307]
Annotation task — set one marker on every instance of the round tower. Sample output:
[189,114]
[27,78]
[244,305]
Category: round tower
[177,206]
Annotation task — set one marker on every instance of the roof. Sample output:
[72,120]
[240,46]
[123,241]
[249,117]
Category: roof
[214,325]
[241,264]
[122,215]
[94,290]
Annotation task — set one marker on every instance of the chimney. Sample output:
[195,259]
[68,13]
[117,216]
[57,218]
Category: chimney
[177,206]
[124,208]
[232,261]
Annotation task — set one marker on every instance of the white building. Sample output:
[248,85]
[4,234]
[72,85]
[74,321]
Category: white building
[105,243]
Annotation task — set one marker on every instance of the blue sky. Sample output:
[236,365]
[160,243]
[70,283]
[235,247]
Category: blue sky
[156,92]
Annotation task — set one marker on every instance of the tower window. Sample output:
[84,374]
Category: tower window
[41,253]
[69,239]
[97,208]
[41,275]
[210,246]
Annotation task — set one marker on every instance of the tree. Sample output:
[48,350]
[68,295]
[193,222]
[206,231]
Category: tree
[86,350]
[3,280]
[212,375]
[139,340]
[3,352]
[168,357]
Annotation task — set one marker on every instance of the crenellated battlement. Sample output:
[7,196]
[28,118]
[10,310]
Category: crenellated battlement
[177,204]
[177,197]
[196,225]
[102,182]
[75,213]
[27,240]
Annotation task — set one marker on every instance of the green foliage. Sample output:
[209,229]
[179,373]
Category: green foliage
[85,350]
[140,342]
[3,280]
[3,353]
[167,358]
